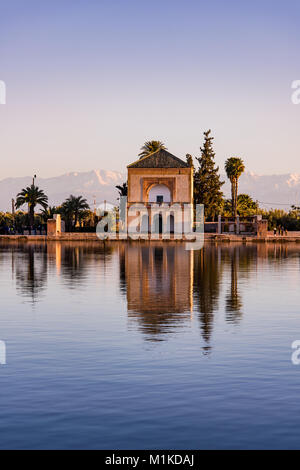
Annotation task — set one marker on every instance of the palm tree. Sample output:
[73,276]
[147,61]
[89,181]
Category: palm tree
[73,209]
[48,212]
[151,146]
[245,206]
[32,196]
[234,167]
[123,189]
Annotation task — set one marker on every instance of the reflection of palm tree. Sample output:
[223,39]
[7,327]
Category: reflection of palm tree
[233,298]
[122,268]
[30,265]
[234,167]
[76,257]
[31,273]
[241,262]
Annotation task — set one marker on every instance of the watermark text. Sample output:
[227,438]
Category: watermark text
[155,221]
[2,92]
[296,94]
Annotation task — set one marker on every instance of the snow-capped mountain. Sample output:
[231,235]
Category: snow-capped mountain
[98,185]
[272,191]
[277,191]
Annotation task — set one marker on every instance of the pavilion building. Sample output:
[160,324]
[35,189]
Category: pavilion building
[162,186]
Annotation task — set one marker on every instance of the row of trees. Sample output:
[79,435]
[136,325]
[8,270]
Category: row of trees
[74,209]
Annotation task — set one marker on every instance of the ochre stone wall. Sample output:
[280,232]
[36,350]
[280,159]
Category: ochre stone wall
[54,225]
[178,180]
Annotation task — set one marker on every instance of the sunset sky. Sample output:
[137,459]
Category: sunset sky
[88,81]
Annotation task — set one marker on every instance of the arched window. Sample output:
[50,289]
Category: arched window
[159,193]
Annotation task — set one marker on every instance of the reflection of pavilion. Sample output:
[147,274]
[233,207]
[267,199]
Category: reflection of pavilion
[159,282]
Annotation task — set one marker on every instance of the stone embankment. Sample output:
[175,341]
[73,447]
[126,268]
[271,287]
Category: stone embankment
[210,238]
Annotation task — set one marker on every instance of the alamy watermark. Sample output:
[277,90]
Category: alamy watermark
[153,221]
[2,92]
[2,353]
[296,93]
[296,354]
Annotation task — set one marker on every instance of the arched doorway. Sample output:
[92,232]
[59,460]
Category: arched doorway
[170,223]
[158,223]
[145,224]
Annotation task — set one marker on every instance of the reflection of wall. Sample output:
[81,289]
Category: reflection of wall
[54,254]
[159,284]
[158,272]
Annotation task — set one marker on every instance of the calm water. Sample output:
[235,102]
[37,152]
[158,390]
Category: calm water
[134,346]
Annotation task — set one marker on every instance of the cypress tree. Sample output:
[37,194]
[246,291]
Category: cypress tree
[207,184]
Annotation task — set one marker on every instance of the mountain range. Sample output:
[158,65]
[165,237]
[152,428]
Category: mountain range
[272,191]
[96,185]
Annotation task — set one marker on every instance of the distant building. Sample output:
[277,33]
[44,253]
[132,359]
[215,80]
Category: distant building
[163,184]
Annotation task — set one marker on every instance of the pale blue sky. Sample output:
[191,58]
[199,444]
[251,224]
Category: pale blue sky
[88,81]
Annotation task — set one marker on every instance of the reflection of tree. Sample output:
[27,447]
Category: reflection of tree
[30,266]
[207,279]
[210,264]
[77,257]
[122,269]
[233,298]
[241,260]
[30,262]
[73,265]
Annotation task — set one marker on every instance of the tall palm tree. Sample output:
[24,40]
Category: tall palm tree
[151,146]
[32,196]
[73,208]
[234,167]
